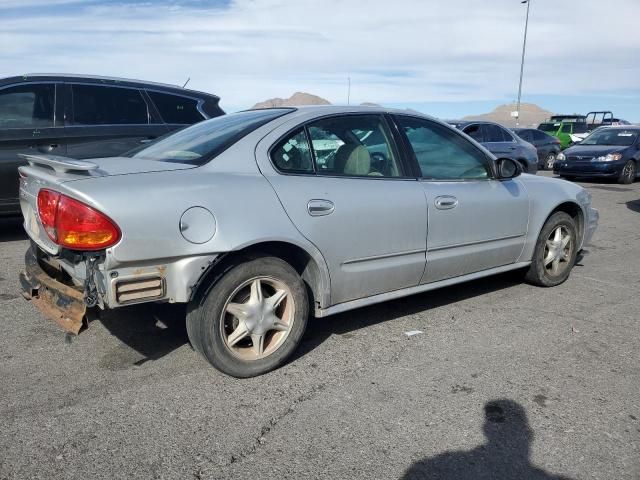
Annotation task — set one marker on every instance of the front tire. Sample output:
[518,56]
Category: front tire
[628,173]
[549,161]
[252,319]
[555,251]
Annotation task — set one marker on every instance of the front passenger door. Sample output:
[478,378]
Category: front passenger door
[475,222]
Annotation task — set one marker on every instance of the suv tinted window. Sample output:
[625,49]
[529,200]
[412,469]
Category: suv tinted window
[25,106]
[441,153]
[525,135]
[354,146]
[99,105]
[176,109]
[493,133]
[292,154]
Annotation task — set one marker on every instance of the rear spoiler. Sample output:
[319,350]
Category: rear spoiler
[58,163]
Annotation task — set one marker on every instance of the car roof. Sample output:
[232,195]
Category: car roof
[320,110]
[98,79]
[635,128]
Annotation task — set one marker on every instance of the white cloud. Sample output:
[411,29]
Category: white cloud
[400,51]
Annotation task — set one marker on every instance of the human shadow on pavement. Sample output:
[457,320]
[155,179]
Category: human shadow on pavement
[505,455]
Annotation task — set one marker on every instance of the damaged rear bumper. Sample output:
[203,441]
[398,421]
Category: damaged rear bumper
[61,303]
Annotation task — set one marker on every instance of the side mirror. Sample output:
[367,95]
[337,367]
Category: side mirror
[507,168]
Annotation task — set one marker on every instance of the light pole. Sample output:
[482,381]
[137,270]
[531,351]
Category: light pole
[524,46]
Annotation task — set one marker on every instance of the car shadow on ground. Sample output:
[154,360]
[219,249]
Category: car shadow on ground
[156,330]
[319,329]
[504,456]
[633,205]
[152,330]
[11,229]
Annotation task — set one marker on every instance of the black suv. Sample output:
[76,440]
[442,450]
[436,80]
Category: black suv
[86,117]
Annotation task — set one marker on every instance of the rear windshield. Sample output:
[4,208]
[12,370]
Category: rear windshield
[611,136]
[549,127]
[203,141]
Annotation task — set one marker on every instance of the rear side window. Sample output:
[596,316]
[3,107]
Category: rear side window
[292,154]
[99,105]
[27,106]
[525,135]
[203,141]
[176,109]
[493,133]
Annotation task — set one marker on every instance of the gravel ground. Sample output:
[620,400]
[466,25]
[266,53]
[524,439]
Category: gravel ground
[507,381]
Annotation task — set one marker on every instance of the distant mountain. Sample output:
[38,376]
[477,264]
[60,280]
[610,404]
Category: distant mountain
[297,99]
[530,115]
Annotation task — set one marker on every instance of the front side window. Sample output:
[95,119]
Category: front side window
[101,105]
[475,132]
[566,128]
[292,154]
[203,141]
[441,153]
[176,109]
[27,106]
[354,146]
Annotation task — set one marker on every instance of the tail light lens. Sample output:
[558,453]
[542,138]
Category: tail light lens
[74,225]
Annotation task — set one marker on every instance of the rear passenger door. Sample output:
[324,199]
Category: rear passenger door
[342,181]
[29,123]
[107,120]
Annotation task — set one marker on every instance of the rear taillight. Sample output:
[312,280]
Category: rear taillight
[74,225]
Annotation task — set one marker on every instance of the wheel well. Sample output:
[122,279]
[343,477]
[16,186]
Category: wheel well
[574,211]
[301,261]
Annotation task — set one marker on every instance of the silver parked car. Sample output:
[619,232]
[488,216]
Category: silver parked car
[259,218]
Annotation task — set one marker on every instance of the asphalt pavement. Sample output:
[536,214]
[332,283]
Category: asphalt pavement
[506,381]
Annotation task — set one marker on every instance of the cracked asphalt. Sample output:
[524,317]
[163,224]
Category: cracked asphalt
[506,381]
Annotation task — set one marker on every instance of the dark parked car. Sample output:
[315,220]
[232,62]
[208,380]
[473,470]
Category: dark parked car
[86,117]
[501,142]
[546,145]
[609,152]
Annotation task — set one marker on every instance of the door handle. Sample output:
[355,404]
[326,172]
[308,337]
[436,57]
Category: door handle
[317,208]
[445,202]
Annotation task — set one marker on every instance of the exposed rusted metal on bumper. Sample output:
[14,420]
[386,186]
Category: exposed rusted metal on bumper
[57,301]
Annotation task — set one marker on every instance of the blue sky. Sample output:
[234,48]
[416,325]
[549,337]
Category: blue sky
[448,59]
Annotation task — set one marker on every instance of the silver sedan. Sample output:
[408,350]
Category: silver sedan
[259,219]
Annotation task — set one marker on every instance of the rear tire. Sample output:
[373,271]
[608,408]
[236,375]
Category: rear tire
[555,252]
[628,173]
[250,320]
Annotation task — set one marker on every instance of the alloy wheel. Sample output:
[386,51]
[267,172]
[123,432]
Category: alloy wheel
[558,251]
[628,171]
[257,318]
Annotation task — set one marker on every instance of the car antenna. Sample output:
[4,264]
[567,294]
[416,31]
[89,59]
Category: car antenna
[185,83]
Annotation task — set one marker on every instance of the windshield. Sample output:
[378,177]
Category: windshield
[203,141]
[610,136]
[548,127]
